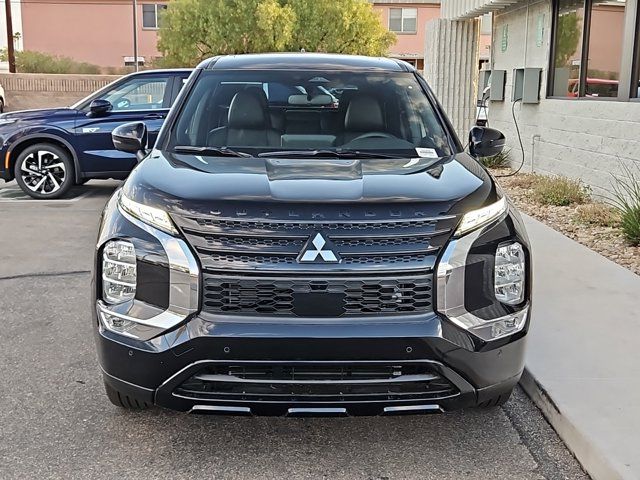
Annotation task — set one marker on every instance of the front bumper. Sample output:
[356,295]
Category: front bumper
[439,365]
[156,370]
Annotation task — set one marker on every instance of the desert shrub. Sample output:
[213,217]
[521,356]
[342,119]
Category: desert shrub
[626,191]
[598,214]
[524,180]
[500,160]
[38,62]
[560,191]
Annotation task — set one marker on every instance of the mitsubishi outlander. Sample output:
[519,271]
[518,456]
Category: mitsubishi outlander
[308,237]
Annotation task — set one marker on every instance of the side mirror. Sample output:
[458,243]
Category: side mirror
[99,107]
[131,138]
[485,142]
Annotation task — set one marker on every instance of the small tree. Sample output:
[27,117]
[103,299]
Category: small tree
[192,30]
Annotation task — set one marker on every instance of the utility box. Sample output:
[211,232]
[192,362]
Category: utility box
[498,80]
[526,85]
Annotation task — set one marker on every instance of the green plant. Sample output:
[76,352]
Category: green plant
[500,160]
[559,191]
[38,62]
[192,30]
[598,214]
[626,200]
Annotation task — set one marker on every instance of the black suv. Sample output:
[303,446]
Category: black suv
[308,237]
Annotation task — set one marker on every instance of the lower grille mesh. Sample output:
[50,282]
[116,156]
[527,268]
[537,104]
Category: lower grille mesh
[317,297]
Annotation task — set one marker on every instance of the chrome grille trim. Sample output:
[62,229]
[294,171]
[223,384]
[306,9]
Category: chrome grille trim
[399,245]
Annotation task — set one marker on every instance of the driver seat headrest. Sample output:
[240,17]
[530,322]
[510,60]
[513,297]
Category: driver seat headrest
[247,112]
[364,114]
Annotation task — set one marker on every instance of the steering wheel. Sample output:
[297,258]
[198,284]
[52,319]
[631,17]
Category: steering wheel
[374,135]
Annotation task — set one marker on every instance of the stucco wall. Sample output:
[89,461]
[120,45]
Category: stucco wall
[409,45]
[587,139]
[25,91]
[92,31]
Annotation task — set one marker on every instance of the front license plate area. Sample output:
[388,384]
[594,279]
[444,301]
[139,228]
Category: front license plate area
[318,304]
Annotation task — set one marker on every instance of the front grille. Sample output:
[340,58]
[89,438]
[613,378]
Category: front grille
[316,382]
[317,297]
[272,245]
[252,266]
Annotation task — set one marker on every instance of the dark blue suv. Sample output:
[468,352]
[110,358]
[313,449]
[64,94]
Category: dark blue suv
[48,151]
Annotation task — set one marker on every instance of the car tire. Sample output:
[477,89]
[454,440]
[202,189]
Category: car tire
[497,401]
[123,400]
[44,171]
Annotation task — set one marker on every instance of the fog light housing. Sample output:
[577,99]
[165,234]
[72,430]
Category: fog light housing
[509,273]
[119,273]
[115,323]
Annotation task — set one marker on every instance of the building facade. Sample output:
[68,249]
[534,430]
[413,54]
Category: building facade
[569,71]
[408,20]
[94,31]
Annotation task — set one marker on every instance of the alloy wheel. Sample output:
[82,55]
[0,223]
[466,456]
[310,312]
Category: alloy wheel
[43,172]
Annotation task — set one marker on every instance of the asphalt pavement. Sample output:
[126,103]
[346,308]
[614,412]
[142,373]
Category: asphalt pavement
[56,422]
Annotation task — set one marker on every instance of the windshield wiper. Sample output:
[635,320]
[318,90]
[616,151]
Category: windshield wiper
[339,153]
[211,151]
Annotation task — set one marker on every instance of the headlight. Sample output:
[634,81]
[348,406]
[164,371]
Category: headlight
[119,273]
[509,274]
[150,215]
[477,218]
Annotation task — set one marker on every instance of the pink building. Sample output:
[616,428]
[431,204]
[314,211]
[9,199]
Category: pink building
[408,19]
[91,31]
[101,32]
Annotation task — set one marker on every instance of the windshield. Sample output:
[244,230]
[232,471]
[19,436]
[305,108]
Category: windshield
[288,113]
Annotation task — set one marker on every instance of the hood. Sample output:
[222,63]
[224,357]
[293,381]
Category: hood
[195,184]
[38,113]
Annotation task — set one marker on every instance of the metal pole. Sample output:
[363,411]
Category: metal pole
[135,33]
[10,51]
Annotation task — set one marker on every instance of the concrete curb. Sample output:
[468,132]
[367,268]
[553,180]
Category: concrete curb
[581,445]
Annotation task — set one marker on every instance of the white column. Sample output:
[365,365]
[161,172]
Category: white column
[451,69]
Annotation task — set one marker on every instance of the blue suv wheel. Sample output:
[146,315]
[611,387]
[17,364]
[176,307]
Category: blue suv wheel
[44,171]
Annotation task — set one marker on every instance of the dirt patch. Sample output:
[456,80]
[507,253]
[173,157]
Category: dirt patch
[589,224]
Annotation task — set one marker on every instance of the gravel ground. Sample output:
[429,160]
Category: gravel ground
[607,241]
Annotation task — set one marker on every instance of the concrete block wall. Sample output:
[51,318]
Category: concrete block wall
[26,90]
[586,139]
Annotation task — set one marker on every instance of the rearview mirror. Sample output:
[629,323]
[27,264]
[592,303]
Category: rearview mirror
[131,138]
[485,142]
[99,107]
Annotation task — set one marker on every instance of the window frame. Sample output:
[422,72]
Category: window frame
[156,8]
[635,73]
[402,31]
[629,61]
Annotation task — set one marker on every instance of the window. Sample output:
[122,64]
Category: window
[262,111]
[588,48]
[150,14]
[138,94]
[403,20]
[635,80]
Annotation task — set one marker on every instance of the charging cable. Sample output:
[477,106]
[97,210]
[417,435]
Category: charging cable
[515,122]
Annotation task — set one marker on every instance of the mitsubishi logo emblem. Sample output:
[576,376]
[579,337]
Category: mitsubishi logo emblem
[318,250]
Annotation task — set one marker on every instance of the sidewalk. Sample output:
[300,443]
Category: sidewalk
[583,359]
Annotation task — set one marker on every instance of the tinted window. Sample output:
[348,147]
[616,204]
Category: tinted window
[258,111]
[138,94]
[603,46]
